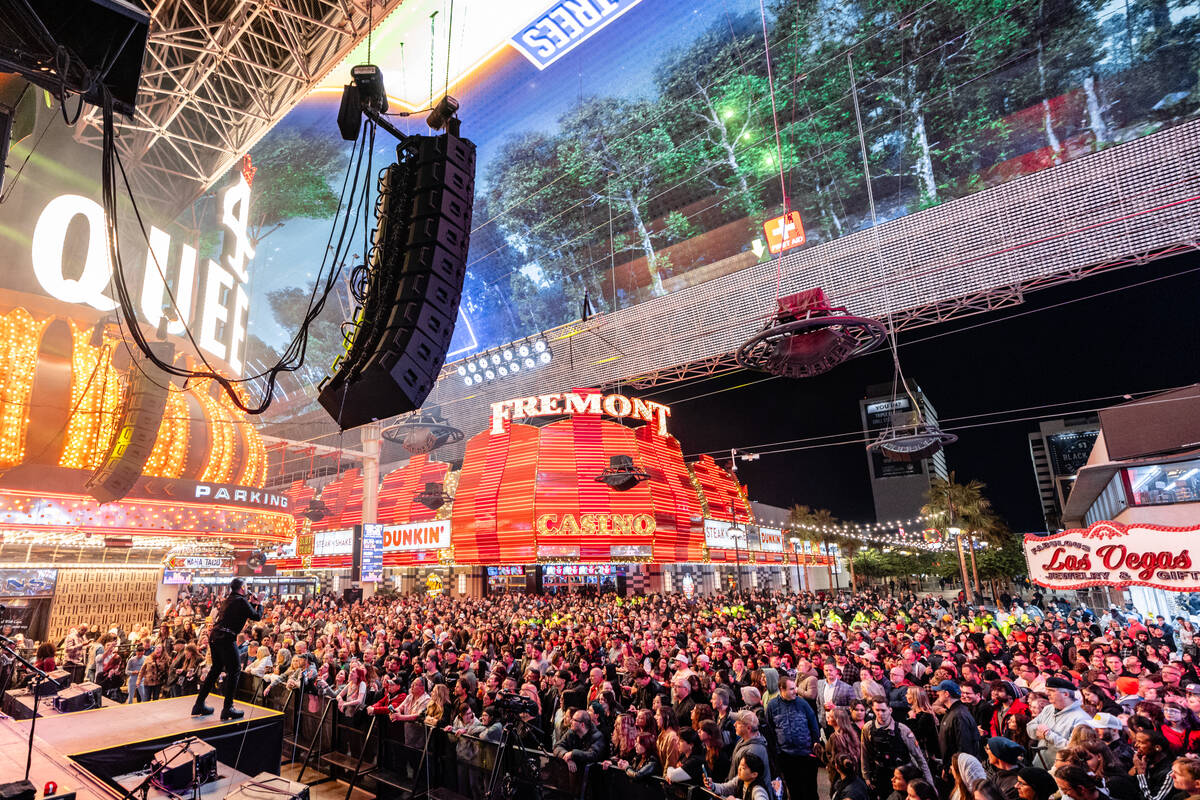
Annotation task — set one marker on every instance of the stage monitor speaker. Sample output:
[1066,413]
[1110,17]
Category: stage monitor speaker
[264,785]
[186,763]
[59,679]
[101,43]
[417,266]
[136,431]
[79,697]
[18,790]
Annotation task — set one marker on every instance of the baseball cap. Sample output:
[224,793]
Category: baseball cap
[1103,721]
[949,686]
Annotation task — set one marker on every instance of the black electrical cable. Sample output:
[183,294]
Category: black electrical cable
[293,358]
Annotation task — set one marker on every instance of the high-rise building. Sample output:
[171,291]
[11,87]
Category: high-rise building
[899,488]
[1059,447]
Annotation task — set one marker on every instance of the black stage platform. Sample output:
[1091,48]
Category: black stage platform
[112,743]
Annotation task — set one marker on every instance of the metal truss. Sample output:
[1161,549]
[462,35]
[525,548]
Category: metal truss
[216,76]
[1121,207]
[953,308]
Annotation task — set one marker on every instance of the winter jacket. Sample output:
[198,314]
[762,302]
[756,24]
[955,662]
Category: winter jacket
[792,726]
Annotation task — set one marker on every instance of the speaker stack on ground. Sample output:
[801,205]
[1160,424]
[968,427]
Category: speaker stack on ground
[136,431]
[414,283]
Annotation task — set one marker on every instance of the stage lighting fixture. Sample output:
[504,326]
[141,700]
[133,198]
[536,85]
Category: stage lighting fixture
[508,355]
[514,366]
[539,346]
[503,370]
[467,380]
[530,363]
[462,370]
[489,375]
[369,81]
[621,474]
[523,350]
[544,358]
[495,359]
[443,113]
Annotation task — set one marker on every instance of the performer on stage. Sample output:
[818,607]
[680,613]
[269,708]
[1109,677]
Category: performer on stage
[223,645]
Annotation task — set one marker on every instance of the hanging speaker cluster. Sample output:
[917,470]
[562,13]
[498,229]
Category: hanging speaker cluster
[433,496]
[414,281]
[807,336]
[133,440]
[909,438]
[316,510]
[621,474]
[423,433]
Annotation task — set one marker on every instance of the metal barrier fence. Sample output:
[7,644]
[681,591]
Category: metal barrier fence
[391,758]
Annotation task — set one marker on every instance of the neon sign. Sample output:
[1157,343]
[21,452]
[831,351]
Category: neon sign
[598,524]
[570,403]
[219,318]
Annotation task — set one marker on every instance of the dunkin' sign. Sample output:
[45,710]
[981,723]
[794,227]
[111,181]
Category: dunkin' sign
[433,535]
[1112,554]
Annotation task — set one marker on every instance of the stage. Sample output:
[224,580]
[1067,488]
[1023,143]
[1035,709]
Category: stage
[90,751]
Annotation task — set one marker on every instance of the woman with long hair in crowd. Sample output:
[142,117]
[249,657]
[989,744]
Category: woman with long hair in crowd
[645,763]
[845,739]
[668,737]
[922,722]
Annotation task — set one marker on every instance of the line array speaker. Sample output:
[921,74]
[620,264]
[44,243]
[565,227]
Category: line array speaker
[416,269]
[136,431]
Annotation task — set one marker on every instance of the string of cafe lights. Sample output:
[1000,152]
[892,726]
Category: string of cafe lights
[855,528]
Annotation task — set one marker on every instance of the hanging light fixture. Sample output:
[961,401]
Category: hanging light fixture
[622,474]
[807,336]
[433,496]
[423,433]
[908,437]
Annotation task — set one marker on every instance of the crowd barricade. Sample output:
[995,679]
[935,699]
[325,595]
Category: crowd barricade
[395,758]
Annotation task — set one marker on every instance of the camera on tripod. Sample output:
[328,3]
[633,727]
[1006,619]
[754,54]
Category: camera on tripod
[513,703]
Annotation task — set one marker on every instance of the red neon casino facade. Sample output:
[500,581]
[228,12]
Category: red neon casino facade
[526,502]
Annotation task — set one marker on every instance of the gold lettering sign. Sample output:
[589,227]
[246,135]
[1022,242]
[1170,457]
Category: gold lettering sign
[571,403]
[595,524]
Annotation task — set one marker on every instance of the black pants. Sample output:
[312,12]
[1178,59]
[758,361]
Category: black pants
[224,659]
[799,774]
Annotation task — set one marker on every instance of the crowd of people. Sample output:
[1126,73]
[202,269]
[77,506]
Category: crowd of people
[893,697]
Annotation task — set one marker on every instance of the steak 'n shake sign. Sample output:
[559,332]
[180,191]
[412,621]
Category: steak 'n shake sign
[570,403]
[1112,554]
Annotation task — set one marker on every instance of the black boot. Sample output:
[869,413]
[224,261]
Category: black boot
[232,713]
[200,710]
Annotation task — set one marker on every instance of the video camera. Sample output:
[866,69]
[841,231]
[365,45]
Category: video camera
[513,703]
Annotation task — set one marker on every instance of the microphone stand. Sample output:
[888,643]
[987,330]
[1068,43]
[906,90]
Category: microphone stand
[36,678]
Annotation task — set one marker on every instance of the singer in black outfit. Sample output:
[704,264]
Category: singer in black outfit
[235,611]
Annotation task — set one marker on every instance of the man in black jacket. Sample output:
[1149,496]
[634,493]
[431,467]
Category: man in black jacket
[958,732]
[222,643]
[583,745]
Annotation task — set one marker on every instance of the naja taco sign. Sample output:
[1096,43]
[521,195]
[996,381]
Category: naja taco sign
[1112,554]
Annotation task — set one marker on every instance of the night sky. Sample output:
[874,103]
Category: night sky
[1132,339]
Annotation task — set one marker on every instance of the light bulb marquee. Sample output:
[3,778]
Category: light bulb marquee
[220,496]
